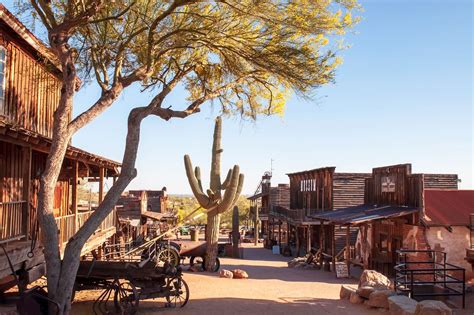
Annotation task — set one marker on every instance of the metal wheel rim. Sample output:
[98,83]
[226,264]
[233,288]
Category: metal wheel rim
[179,293]
[168,255]
[126,298]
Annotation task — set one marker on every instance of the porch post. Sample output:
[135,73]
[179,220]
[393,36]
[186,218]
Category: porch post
[308,245]
[279,233]
[348,244]
[333,248]
[26,176]
[101,184]
[297,234]
[256,224]
[75,178]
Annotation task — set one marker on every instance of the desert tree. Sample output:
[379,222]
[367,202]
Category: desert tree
[246,56]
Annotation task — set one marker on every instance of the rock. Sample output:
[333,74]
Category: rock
[365,291]
[401,305]
[356,298]
[345,292]
[372,278]
[240,274]
[430,307]
[226,274]
[379,298]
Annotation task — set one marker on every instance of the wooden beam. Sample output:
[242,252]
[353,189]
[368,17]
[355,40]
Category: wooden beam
[348,244]
[101,184]
[333,247]
[75,179]
[279,233]
[26,174]
[308,238]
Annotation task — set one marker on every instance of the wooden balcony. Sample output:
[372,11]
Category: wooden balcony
[68,226]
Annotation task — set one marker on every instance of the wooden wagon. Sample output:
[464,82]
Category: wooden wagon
[128,282]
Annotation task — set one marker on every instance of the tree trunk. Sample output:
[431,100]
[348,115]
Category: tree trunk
[212,239]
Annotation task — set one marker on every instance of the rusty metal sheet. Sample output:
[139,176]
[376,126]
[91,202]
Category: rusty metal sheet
[448,207]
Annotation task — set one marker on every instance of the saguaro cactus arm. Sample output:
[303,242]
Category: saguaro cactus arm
[215,175]
[239,188]
[227,179]
[201,197]
[229,195]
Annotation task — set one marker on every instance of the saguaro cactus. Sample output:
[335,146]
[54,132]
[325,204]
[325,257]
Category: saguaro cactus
[220,197]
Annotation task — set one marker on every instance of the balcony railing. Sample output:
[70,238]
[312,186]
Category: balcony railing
[68,226]
[11,220]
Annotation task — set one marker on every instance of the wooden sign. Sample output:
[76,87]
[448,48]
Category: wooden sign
[388,183]
[341,270]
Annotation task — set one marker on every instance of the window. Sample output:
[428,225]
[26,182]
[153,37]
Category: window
[3,59]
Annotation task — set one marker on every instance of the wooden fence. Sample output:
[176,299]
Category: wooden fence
[11,220]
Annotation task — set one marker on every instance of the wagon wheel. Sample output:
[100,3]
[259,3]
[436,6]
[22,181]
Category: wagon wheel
[200,260]
[126,298]
[179,293]
[169,255]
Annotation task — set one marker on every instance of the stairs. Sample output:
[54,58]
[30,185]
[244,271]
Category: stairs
[340,236]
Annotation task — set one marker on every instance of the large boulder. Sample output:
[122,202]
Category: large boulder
[379,298]
[401,305]
[365,291]
[346,292]
[356,298]
[372,278]
[226,274]
[431,307]
[240,274]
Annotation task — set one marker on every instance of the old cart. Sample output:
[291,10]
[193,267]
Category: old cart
[127,282]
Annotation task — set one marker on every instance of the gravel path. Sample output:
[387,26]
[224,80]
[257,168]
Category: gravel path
[272,288]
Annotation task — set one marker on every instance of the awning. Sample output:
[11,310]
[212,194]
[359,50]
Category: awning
[364,213]
[259,195]
[448,207]
[153,215]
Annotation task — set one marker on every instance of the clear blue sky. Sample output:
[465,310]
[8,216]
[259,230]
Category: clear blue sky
[402,95]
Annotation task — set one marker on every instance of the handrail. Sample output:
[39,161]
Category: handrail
[412,274]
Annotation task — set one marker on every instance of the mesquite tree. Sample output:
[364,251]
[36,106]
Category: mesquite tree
[246,55]
[220,197]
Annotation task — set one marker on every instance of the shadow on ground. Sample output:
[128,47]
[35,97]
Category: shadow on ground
[247,306]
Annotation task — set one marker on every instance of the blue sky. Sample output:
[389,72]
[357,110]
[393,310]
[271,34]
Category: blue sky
[402,95]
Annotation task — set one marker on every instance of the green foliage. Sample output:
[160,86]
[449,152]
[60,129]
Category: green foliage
[249,55]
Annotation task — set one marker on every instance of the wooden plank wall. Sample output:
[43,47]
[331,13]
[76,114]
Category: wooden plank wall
[441,181]
[31,91]
[280,196]
[399,173]
[349,189]
[312,187]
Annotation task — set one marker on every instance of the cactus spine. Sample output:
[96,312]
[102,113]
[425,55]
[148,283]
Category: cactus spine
[220,197]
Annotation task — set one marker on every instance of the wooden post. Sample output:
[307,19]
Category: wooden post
[256,225]
[348,244]
[323,240]
[308,244]
[333,247]
[75,178]
[279,233]
[26,175]
[101,184]
[297,235]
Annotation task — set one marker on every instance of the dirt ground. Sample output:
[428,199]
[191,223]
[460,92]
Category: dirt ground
[272,288]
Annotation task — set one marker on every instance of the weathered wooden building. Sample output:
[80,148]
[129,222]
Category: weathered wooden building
[262,201]
[312,192]
[29,94]
[389,219]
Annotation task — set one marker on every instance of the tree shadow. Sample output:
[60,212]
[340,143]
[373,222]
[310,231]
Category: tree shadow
[288,305]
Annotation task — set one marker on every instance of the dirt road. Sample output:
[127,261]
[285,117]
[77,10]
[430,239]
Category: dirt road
[273,288]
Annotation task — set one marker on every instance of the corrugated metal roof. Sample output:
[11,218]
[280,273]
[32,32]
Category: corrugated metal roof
[448,207]
[364,213]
